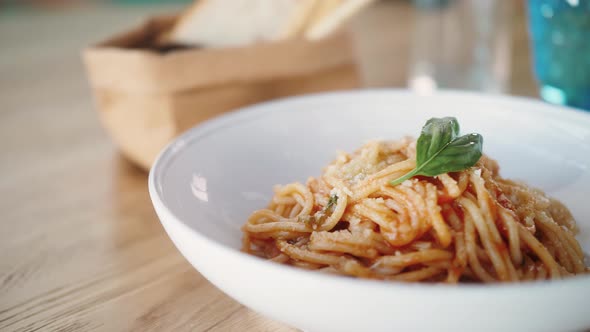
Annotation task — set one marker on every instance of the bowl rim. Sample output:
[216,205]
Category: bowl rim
[252,112]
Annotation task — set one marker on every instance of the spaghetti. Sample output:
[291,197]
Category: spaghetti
[468,226]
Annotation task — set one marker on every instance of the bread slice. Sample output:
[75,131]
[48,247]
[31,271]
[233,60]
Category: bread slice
[323,9]
[300,19]
[334,18]
[224,23]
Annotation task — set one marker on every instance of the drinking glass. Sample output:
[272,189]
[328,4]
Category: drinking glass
[560,39]
[461,44]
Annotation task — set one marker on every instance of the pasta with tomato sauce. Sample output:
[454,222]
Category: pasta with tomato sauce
[466,226]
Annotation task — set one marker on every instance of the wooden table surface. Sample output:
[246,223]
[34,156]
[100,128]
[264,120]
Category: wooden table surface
[81,248]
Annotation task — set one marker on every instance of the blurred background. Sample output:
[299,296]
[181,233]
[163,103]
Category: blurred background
[478,45]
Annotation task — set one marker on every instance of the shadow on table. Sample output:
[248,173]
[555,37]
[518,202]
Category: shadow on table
[132,207]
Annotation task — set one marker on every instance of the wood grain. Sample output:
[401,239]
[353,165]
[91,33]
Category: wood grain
[80,246]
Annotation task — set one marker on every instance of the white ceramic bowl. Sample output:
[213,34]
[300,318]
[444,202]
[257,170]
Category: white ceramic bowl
[206,183]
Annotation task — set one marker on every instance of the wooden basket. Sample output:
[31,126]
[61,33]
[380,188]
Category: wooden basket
[147,96]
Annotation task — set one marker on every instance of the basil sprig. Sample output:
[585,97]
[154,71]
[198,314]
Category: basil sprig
[331,202]
[440,149]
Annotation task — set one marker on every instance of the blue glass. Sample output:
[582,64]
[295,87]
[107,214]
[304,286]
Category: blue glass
[560,34]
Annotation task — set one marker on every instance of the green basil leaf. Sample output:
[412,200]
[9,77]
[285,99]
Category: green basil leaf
[331,202]
[462,153]
[436,133]
[439,149]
